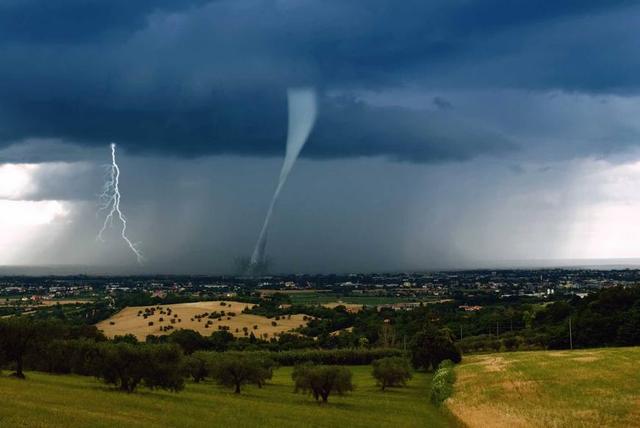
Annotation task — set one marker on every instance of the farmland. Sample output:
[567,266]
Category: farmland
[163,319]
[321,298]
[589,388]
[75,401]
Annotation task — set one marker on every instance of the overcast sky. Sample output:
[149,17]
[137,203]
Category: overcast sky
[450,134]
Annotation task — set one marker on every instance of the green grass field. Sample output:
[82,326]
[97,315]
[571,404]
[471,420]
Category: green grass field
[585,388]
[45,400]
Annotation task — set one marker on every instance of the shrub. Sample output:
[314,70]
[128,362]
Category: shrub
[442,382]
[391,371]
[321,381]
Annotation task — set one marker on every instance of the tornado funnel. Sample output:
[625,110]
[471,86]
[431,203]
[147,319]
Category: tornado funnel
[303,109]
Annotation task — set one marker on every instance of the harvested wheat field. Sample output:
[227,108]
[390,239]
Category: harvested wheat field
[203,317]
[585,388]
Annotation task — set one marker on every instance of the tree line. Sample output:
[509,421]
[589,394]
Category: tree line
[56,347]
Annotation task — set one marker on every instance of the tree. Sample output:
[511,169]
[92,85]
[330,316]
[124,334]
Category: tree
[321,381]
[238,370]
[127,338]
[189,340]
[391,371]
[629,330]
[164,368]
[527,319]
[196,366]
[432,346]
[121,364]
[126,366]
[220,340]
[387,336]
[264,370]
[20,336]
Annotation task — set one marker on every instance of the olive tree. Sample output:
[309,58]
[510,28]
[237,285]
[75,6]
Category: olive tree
[126,366]
[391,371]
[196,365]
[321,381]
[20,336]
[237,370]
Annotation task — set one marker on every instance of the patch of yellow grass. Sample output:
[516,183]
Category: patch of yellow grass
[337,332]
[481,416]
[494,364]
[127,321]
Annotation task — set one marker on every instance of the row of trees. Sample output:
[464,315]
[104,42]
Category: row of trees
[235,371]
[54,347]
[24,340]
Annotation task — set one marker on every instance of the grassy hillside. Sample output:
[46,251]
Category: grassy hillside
[73,401]
[589,388]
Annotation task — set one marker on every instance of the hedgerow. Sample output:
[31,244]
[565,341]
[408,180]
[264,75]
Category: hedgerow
[442,382]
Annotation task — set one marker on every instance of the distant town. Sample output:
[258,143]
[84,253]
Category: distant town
[471,289]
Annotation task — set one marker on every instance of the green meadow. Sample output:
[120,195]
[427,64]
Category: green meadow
[45,400]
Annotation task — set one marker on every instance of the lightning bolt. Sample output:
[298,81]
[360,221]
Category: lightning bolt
[110,200]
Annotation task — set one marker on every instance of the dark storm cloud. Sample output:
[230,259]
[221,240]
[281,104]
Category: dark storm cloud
[78,21]
[195,78]
[256,124]
[442,103]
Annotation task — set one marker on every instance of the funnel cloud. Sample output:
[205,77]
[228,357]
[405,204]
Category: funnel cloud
[303,109]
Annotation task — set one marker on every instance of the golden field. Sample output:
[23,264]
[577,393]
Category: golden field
[190,316]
